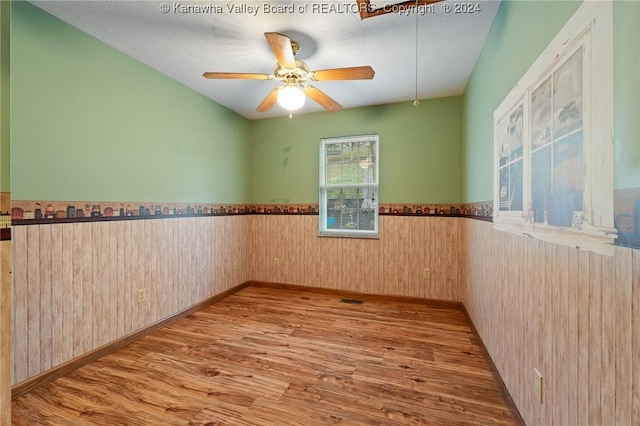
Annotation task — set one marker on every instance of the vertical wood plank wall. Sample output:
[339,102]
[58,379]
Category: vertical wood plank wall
[573,315]
[392,264]
[75,285]
[5,332]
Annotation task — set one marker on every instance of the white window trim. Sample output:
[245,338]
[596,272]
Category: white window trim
[349,233]
[591,24]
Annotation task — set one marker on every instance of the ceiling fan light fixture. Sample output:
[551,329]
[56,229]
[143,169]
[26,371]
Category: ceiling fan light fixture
[291,97]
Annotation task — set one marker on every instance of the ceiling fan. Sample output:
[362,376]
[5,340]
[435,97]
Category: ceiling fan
[294,74]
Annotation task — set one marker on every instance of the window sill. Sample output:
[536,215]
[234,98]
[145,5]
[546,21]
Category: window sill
[349,235]
[599,240]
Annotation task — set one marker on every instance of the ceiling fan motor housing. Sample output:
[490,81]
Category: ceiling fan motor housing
[299,74]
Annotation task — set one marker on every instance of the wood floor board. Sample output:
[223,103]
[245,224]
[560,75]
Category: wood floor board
[381,403]
[196,387]
[151,391]
[272,356]
[331,403]
[38,412]
[191,371]
[428,381]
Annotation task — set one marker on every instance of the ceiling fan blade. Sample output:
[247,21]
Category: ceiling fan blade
[237,75]
[269,101]
[281,46]
[351,73]
[322,98]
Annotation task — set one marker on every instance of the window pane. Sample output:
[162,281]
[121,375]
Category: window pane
[334,173]
[540,182]
[351,198]
[515,186]
[366,220]
[541,115]
[504,189]
[334,149]
[515,134]
[503,143]
[567,96]
[351,219]
[510,140]
[350,163]
[568,171]
[511,187]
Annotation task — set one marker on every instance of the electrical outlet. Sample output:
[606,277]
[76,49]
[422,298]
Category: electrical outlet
[537,385]
[142,295]
[276,262]
[426,273]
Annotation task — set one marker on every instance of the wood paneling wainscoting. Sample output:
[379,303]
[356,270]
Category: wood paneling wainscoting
[75,284]
[573,315]
[5,332]
[392,265]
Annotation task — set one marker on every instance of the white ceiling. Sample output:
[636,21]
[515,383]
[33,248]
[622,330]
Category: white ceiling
[184,45]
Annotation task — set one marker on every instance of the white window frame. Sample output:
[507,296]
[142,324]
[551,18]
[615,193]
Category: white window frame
[590,29]
[324,230]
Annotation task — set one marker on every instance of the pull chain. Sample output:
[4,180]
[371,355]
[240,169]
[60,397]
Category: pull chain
[416,102]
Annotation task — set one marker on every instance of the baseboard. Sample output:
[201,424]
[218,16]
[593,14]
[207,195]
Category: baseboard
[517,417]
[436,303]
[73,364]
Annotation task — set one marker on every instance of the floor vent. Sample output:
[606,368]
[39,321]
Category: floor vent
[352,301]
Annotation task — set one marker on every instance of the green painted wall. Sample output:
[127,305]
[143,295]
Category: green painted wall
[626,40]
[90,123]
[5,33]
[420,151]
[521,31]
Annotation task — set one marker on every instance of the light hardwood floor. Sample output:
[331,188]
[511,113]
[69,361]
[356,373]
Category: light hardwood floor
[267,356]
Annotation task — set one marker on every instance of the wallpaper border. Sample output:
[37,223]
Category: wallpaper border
[26,212]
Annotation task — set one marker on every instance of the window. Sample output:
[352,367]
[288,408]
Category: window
[349,186]
[553,139]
